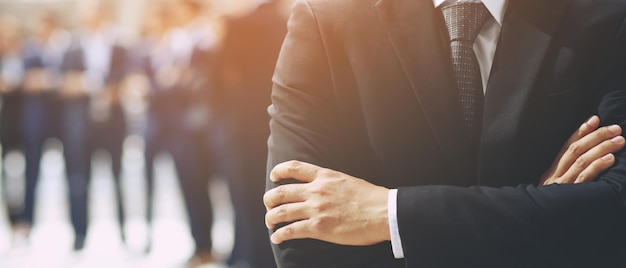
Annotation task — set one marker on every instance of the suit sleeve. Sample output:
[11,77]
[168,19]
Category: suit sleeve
[580,225]
[304,126]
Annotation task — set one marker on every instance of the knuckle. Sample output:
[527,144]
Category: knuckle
[318,189]
[326,173]
[604,146]
[294,166]
[605,132]
[280,193]
[286,231]
[318,224]
[574,148]
[581,162]
[600,133]
[274,197]
[281,212]
[320,207]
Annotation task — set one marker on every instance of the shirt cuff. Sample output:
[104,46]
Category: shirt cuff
[392,208]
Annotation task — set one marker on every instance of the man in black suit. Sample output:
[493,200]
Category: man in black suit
[367,88]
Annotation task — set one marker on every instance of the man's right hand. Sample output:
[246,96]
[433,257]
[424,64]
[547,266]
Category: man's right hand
[587,153]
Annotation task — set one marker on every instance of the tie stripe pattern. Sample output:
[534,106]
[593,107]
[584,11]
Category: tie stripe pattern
[464,21]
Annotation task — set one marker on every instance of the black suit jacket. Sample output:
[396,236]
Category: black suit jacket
[74,60]
[250,49]
[365,87]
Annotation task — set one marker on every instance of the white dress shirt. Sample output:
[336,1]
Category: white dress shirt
[11,70]
[98,48]
[484,48]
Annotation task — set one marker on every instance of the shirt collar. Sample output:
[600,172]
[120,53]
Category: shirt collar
[495,7]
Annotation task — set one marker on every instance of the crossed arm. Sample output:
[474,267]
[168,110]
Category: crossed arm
[338,208]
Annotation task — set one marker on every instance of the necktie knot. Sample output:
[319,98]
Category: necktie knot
[464,20]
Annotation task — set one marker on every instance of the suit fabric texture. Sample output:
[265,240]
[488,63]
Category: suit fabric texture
[365,87]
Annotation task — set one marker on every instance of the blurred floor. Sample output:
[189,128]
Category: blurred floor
[52,237]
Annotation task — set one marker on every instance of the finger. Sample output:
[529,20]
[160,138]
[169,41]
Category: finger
[294,230]
[282,194]
[554,172]
[578,148]
[584,129]
[286,213]
[590,125]
[585,160]
[594,170]
[587,127]
[298,170]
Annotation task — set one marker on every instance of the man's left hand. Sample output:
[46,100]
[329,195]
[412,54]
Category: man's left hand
[329,206]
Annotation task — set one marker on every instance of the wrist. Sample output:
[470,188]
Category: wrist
[382,216]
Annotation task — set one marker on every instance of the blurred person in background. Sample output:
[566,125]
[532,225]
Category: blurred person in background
[11,75]
[105,64]
[95,65]
[193,45]
[250,51]
[86,67]
[43,55]
[74,124]
[177,56]
[149,54]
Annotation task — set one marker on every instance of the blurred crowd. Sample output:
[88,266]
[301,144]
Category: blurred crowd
[204,79]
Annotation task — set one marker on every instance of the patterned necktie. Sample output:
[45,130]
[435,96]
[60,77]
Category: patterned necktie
[464,21]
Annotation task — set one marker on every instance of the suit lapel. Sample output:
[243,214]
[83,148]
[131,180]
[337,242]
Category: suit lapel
[415,31]
[526,34]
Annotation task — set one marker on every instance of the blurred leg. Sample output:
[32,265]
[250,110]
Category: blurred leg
[189,159]
[10,138]
[249,159]
[77,160]
[14,212]
[117,134]
[33,126]
[152,147]
[116,157]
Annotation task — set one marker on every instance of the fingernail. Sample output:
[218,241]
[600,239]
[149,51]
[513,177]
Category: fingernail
[615,129]
[607,157]
[591,120]
[584,126]
[618,139]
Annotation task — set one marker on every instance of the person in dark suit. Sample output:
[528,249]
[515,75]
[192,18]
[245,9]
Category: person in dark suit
[110,131]
[85,71]
[177,54]
[74,125]
[43,56]
[11,76]
[98,58]
[149,55]
[250,50]
[372,89]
